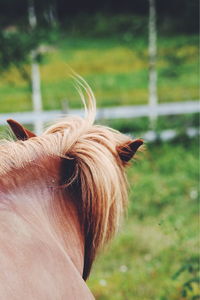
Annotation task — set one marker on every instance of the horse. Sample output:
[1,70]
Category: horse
[62,197]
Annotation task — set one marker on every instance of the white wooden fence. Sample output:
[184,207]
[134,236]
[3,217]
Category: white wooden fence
[122,112]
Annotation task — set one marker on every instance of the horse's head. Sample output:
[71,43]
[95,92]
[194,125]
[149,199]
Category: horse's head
[88,164]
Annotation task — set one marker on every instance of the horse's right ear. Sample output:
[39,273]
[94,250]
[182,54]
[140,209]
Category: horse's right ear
[19,131]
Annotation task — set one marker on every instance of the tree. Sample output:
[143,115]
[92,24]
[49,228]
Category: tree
[19,46]
[35,72]
[153,98]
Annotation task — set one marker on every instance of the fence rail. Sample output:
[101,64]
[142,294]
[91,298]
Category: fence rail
[135,111]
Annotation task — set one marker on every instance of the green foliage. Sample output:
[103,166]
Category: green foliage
[123,26]
[16,47]
[117,71]
[92,16]
[154,257]
[17,44]
[190,266]
[135,125]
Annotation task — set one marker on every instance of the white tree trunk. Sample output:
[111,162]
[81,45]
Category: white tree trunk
[35,74]
[153,98]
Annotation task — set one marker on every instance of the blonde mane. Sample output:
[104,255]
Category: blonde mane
[98,169]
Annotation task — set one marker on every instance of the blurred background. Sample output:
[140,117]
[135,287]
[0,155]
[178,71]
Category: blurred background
[140,57]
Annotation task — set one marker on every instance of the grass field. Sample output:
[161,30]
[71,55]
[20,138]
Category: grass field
[117,70]
[160,234]
[154,257]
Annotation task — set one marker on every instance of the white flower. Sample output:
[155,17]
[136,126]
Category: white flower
[193,194]
[123,268]
[102,282]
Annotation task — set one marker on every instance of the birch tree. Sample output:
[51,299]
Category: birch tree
[153,98]
[35,74]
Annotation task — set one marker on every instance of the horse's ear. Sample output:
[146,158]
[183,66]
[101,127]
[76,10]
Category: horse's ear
[20,132]
[128,150]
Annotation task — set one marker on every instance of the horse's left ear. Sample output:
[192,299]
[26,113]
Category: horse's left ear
[20,131]
[128,150]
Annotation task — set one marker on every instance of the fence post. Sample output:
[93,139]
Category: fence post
[65,106]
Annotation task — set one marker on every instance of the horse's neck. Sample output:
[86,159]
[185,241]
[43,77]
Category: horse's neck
[34,265]
[32,205]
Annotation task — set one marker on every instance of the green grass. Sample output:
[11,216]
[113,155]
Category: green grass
[140,125]
[117,71]
[160,232]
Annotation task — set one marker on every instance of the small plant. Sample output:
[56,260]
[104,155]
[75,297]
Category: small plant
[190,288]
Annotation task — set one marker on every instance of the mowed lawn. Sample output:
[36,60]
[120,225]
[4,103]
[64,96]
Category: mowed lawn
[160,233]
[117,71]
